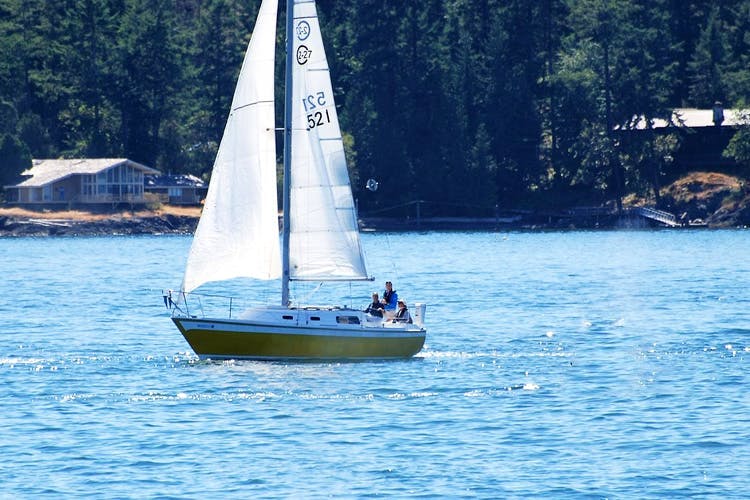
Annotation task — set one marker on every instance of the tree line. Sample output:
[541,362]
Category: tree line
[467,105]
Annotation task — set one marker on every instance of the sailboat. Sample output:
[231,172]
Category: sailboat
[238,232]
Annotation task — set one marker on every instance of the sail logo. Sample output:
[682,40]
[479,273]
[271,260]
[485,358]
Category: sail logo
[303,55]
[303,31]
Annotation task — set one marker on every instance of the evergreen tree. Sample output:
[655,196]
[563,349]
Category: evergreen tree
[575,86]
[705,67]
[607,30]
[220,43]
[551,151]
[47,60]
[512,111]
[467,75]
[738,148]
[369,102]
[8,118]
[35,135]
[420,106]
[736,73]
[647,68]
[463,104]
[149,69]
[90,118]
[684,16]
[13,52]
[14,159]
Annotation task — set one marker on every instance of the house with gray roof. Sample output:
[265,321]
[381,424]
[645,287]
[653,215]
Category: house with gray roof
[181,189]
[704,135]
[80,182]
[691,118]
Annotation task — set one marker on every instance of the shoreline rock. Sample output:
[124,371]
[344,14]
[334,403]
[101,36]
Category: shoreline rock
[13,226]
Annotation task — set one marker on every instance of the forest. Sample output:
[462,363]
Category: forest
[467,105]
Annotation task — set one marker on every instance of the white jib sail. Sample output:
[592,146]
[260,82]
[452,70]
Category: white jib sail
[238,233]
[324,240]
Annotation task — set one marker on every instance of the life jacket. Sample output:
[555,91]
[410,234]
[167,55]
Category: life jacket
[375,309]
[403,315]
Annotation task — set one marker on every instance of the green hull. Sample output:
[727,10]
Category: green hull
[237,340]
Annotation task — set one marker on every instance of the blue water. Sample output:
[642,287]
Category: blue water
[560,364]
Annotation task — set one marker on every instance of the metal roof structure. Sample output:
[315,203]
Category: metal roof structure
[167,181]
[695,118]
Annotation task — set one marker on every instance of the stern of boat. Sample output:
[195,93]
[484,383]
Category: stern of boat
[419,313]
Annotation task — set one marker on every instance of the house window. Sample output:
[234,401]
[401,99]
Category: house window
[175,192]
[120,183]
[88,186]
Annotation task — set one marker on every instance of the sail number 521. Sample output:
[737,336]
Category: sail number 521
[318,118]
[312,102]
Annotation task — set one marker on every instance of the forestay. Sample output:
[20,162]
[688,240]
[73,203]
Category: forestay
[238,234]
[324,239]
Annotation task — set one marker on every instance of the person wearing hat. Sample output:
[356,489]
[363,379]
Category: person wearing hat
[376,308]
[402,315]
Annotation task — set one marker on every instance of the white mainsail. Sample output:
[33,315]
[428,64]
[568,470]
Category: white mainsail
[324,236]
[238,234]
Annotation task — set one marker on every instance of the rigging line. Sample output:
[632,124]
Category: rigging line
[314,290]
[394,268]
[251,104]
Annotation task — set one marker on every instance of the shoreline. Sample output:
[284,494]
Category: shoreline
[17,222]
[699,199]
[183,221]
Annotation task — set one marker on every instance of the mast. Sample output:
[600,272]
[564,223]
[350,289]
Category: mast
[287,153]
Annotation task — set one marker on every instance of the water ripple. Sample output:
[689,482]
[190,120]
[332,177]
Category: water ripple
[603,365]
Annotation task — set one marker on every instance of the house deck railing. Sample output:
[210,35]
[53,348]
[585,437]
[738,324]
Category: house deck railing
[112,198]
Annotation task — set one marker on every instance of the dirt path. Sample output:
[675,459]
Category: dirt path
[84,216]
